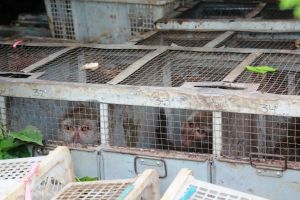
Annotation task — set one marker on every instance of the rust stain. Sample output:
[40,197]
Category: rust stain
[113,17]
[295,185]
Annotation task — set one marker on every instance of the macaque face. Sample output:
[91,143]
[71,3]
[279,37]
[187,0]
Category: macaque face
[193,133]
[196,132]
[80,125]
[83,131]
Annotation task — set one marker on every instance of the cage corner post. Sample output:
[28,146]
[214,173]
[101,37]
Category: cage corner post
[217,134]
[3,119]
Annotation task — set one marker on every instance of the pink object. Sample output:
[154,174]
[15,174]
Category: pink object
[27,180]
[16,43]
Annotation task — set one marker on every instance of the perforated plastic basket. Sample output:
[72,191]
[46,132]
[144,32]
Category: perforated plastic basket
[186,187]
[53,172]
[145,186]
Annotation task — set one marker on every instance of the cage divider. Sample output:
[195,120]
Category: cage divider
[213,43]
[217,134]
[3,114]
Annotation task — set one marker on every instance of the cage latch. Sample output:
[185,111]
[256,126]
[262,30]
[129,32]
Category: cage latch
[143,163]
[268,164]
[222,85]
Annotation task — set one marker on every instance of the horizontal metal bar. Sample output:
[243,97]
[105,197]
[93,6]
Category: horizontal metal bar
[230,25]
[147,2]
[200,49]
[193,98]
[99,46]
[228,85]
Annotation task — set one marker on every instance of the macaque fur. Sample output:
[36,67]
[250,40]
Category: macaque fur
[81,125]
[289,146]
[195,133]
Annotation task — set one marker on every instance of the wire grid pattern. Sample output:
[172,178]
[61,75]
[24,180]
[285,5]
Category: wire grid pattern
[62,19]
[160,128]
[143,16]
[180,38]
[16,59]
[74,124]
[285,81]
[268,138]
[217,10]
[272,11]
[67,67]
[15,169]
[261,40]
[203,190]
[173,68]
[93,191]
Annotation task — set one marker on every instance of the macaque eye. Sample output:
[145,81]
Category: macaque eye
[69,128]
[85,128]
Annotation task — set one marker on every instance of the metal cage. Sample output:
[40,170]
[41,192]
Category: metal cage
[78,20]
[167,107]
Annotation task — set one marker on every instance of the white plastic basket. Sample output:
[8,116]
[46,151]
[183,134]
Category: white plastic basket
[186,187]
[145,186]
[52,173]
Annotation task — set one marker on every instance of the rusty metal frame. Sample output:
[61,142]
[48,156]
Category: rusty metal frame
[198,98]
[213,99]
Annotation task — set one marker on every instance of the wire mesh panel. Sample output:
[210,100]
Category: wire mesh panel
[284,81]
[261,138]
[78,20]
[173,68]
[61,18]
[15,59]
[47,174]
[146,187]
[70,66]
[143,16]
[272,11]
[75,124]
[94,190]
[185,186]
[217,10]
[261,40]
[180,38]
[160,128]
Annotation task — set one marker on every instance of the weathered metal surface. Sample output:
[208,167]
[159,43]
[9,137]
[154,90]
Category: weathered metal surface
[232,25]
[196,98]
[150,2]
[243,177]
[79,20]
[125,167]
